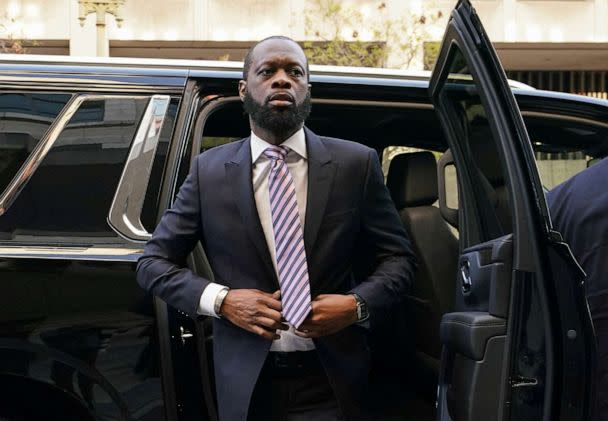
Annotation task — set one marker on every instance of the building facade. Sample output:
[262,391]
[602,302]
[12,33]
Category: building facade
[530,34]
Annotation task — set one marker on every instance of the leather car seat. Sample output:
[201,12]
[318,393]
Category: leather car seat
[412,182]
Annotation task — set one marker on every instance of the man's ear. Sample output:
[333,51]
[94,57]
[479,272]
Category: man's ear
[242,89]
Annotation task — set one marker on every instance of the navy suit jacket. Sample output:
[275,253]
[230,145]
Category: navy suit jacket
[348,206]
[579,210]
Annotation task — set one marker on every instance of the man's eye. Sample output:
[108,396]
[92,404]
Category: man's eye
[265,72]
[297,72]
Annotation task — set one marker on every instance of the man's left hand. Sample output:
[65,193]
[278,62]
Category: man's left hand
[329,314]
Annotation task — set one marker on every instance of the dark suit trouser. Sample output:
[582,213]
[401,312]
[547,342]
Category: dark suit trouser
[601,330]
[293,392]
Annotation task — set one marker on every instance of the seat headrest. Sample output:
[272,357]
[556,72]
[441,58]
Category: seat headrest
[412,179]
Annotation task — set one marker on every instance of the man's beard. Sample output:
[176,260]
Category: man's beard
[281,121]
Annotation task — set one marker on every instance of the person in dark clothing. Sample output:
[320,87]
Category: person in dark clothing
[579,211]
[280,214]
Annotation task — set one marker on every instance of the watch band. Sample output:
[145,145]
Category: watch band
[362,311]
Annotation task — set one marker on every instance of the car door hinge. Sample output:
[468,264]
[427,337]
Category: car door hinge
[520,381]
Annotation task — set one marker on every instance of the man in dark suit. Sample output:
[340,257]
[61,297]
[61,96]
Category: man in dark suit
[280,215]
[579,211]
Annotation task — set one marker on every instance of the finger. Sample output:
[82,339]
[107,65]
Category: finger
[268,323]
[273,304]
[304,333]
[270,313]
[266,334]
[277,294]
[306,325]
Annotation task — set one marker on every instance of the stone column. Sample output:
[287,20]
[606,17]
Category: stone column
[601,21]
[100,8]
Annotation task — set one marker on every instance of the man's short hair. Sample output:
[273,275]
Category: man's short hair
[248,57]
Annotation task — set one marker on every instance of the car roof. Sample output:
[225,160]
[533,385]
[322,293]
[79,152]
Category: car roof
[144,66]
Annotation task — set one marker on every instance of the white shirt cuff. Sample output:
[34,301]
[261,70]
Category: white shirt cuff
[207,302]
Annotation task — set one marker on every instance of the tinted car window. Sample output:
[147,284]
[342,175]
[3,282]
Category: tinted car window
[479,148]
[71,191]
[24,119]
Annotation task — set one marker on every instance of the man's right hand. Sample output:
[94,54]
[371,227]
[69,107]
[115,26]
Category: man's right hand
[254,310]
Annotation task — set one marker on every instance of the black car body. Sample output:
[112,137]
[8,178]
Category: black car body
[92,152]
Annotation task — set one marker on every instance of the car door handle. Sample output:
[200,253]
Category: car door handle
[465,276]
[184,335]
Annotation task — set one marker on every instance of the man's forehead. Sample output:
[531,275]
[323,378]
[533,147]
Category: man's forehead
[278,49]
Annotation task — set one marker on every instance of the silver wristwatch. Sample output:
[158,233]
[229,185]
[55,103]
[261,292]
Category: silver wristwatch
[362,311]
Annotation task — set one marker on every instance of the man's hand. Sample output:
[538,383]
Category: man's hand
[330,313]
[254,310]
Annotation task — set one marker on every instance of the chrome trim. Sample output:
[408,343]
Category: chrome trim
[125,212]
[102,254]
[43,147]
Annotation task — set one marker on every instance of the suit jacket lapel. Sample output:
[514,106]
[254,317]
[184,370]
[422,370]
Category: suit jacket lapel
[238,171]
[320,180]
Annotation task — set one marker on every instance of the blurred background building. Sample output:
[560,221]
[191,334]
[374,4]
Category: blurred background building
[558,44]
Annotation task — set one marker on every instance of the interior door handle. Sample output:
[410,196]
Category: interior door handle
[465,276]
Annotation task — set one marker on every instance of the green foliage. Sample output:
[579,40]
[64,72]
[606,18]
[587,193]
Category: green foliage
[10,43]
[343,53]
[430,51]
[338,30]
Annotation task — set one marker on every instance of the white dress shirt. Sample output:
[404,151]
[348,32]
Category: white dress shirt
[297,164]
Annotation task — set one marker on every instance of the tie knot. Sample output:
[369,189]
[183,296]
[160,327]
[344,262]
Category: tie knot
[276,152]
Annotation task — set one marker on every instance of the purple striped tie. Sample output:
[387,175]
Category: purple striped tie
[288,238]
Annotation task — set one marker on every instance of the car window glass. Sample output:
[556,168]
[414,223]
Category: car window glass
[566,136]
[484,171]
[150,207]
[24,119]
[209,142]
[451,187]
[71,191]
[555,168]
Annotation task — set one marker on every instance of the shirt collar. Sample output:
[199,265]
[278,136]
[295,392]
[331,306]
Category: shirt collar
[296,142]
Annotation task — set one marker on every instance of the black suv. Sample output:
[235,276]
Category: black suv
[92,152]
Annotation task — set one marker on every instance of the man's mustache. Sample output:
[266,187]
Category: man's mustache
[281,96]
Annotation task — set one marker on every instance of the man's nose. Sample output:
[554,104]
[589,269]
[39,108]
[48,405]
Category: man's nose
[281,80]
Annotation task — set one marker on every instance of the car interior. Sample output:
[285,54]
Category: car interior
[420,175]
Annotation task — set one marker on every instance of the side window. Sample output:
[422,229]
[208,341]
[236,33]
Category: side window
[225,123]
[71,191]
[24,119]
[555,168]
[484,176]
[565,141]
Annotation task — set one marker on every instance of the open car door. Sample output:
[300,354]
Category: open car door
[519,342]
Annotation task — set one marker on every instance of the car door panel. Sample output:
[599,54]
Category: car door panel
[505,345]
[474,338]
[485,276]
